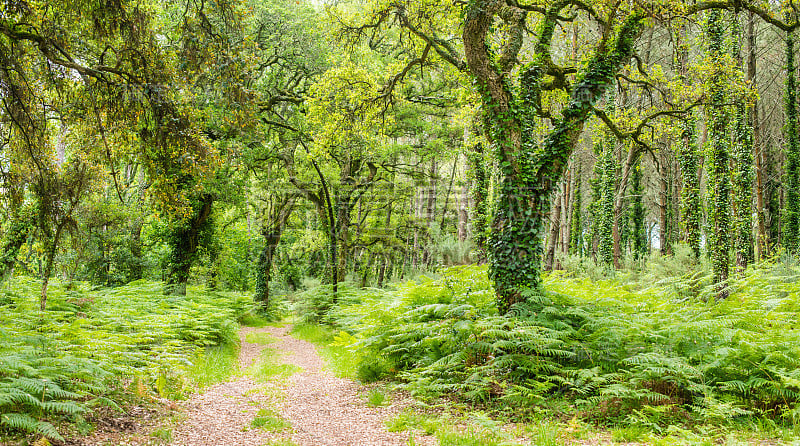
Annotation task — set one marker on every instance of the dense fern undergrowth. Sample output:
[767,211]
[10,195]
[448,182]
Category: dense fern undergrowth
[642,347]
[101,349]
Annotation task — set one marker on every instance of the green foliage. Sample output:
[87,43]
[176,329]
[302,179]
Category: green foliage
[637,348]
[79,354]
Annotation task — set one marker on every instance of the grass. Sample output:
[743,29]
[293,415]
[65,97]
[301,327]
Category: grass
[628,434]
[269,420]
[546,434]
[376,398]
[259,338]
[409,421]
[281,442]
[334,347]
[215,365]
[268,367]
[471,437]
[163,434]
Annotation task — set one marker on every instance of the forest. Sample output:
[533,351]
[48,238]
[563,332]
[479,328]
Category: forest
[546,221]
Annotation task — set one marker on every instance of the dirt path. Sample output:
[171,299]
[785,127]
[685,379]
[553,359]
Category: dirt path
[323,410]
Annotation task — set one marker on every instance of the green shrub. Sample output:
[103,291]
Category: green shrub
[81,352]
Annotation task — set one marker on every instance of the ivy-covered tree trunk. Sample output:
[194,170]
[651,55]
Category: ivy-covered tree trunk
[605,233]
[690,192]
[576,222]
[638,230]
[791,210]
[184,240]
[690,207]
[742,169]
[529,172]
[719,161]
[762,243]
[479,193]
[595,198]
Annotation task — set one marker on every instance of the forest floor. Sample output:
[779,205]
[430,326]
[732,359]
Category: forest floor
[308,407]
[283,395]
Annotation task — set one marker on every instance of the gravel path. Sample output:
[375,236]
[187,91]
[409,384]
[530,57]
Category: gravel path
[323,410]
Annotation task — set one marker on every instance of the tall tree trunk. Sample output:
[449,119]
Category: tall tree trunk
[791,209]
[743,169]
[719,170]
[758,150]
[690,192]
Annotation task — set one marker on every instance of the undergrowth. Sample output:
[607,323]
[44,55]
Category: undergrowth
[103,348]
[642,348]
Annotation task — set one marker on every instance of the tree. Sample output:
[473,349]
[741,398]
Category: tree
[791,210]
[719,156]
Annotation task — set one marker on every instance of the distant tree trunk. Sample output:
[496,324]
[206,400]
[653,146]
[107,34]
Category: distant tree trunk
[631,163]
[463,215]
[566,202]
[447,196]
[430,211]
[664,204]
[552,241]
[416,216]
[51,245]
[638,229]
[272,231]
[576,221]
